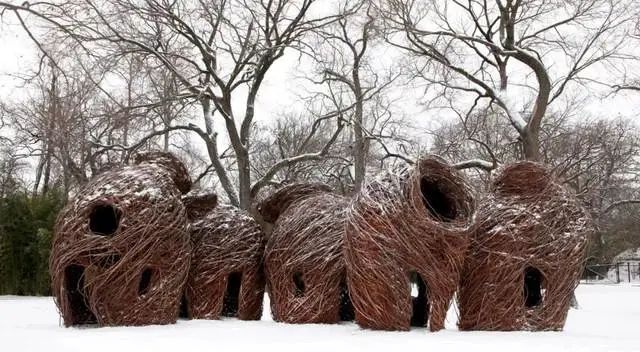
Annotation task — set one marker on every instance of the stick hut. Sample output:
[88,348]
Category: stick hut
[121,248]
[406,238]
[226,277]
[303,259]
[526,256]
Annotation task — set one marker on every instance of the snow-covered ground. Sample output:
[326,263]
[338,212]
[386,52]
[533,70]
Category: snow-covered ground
[608,320]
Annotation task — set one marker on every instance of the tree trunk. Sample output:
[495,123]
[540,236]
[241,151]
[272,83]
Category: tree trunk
[359,152]
[244,179]
[531,145]
[38,176]
[212,150]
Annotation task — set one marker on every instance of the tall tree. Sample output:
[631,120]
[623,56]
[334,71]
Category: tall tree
[222,52]
[474,49]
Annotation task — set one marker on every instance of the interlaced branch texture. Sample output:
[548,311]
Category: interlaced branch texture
[303,258]
[121,249]
[528,223]
[226,276]
[402,226]
[171,164]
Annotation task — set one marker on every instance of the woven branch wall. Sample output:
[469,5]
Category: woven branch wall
[226,276]
[526,257]
[121,249]
[171,165]
[404,228]
[304,259]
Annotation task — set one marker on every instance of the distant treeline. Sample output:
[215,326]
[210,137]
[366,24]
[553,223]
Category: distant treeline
[26,227]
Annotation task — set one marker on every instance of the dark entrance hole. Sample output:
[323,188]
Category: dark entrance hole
[184,307]
[232,295]
[439,205]
[74,287]
[419,300]
[145,281]
[298,282]
[104,220]
[532,287]
[347,312]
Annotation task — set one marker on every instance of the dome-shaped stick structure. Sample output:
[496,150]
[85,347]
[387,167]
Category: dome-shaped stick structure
[121,250]
[275,204]
[304,259]
[526,256]
[226,277]
[176,169]
[406,239]
[199,205]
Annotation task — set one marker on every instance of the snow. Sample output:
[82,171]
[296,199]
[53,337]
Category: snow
[510,101]
[629,254]
[607,320]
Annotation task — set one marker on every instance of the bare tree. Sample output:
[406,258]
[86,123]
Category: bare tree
[471,48]
[598,159]
[221,54]
[345,64]
[298,134]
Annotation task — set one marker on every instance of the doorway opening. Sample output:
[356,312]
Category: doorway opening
[232,295]
[533,290]
[75,289]
[419,300]
[347,312]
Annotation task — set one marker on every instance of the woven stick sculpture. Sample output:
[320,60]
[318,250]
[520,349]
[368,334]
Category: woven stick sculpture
[526,257]
[171,164]
[226,277]
[303,258]
[121,249]
[404,229]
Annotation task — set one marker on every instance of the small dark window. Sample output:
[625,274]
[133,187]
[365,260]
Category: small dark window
[145,281]
[419,300]
[437,202]
[75,290]
[347,312]
[104,220]
[232,295]
[299,284]
[532,287]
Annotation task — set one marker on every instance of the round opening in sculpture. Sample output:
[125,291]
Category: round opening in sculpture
[104,220]
[440,205]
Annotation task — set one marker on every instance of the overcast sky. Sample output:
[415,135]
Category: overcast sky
[282,87]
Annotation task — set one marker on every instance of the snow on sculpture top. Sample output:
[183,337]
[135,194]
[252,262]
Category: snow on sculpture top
[526,255]
[403,228]
[303,258]
[226,277]
[121,248]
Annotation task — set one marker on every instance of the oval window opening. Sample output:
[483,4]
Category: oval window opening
[104,220]
[145,282]
[299,284]
[439,205]
[533,290]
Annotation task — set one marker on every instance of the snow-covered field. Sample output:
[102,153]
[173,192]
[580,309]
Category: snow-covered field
[608,320]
